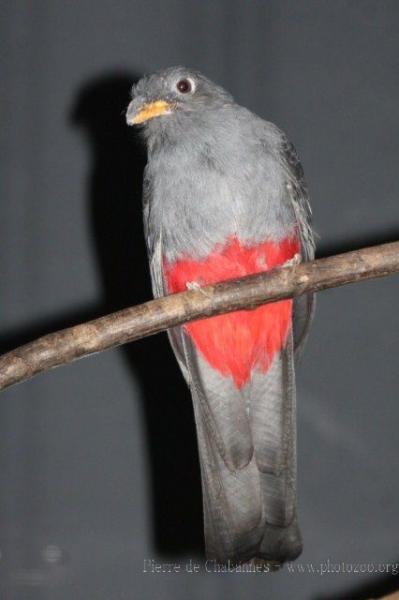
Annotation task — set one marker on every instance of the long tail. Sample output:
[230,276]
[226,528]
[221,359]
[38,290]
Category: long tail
[247,449]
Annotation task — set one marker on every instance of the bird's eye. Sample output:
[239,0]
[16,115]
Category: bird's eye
[184,86]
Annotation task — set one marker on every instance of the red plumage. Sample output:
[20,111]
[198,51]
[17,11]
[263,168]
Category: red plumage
[235,344]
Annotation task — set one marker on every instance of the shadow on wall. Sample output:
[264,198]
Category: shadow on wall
[114,204]
[115,214]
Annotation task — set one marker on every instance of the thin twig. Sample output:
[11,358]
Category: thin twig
[147,319]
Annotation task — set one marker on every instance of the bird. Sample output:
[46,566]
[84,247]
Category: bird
[224,196]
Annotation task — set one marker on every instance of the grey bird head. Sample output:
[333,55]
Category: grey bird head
[171,97]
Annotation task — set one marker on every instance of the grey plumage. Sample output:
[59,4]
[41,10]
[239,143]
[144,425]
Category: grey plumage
[216,170]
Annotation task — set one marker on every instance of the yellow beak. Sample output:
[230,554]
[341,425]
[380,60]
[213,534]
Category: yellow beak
[151,110]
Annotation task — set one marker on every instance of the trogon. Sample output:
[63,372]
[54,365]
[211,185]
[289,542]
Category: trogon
[224,196]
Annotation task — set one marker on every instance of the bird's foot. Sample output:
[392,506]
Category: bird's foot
[292,262]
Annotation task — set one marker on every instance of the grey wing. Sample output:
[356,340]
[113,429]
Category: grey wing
[304,306]
[153,239]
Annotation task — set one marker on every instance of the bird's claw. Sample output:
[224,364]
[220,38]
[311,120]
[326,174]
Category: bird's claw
[292,262]
[194,285]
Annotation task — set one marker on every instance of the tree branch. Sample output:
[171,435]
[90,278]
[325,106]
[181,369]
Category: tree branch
[147,319]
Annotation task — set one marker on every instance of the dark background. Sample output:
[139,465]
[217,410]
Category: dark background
[98,464]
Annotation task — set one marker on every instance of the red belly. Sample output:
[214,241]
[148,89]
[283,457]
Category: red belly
[237,343]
